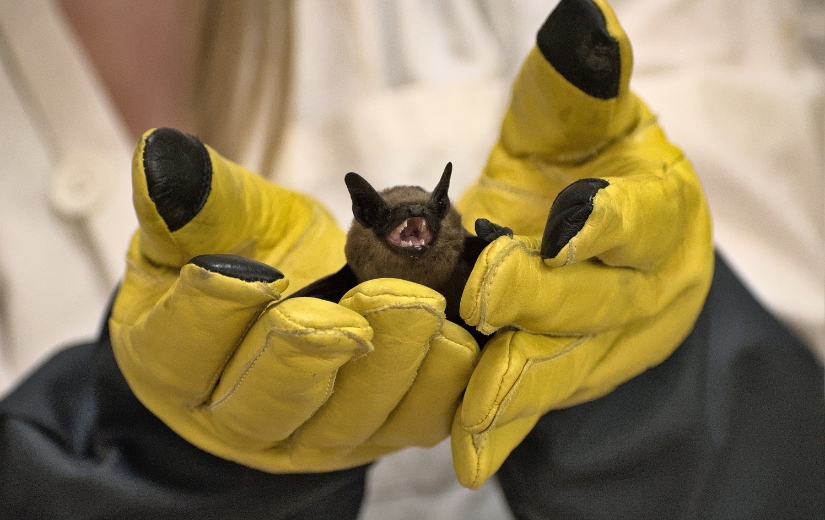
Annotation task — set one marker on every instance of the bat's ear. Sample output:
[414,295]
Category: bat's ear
[367,205]
[439,199]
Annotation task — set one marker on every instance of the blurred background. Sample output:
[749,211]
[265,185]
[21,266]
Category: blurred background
[304,91]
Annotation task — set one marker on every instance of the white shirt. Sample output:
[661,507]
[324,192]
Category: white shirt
[65,190]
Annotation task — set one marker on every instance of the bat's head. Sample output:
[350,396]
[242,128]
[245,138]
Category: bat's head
[407,219]
[404,232]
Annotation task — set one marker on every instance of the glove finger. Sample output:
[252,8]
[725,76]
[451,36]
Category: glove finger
[284,370]
[636,221]
[191,201]
[571,101]
[515,364]
[478,456]
[521,375]
[571,97]
[404,317]
[509,273]
[580,299]
[518,379]
[568,214]
[176,346]
[425,414]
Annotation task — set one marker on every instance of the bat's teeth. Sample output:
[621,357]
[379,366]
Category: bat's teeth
[401,227]
[413,233]
[415,243]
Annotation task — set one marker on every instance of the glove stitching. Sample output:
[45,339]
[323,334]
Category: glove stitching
[486,282]
[475,310]
[480,439]
[413,305]
[534,362]
[303,332]
[344,451]
[490,276]
[425,347]
[203,399]
[494,184]
[436,336]
[416,299]
[497,410]
[439,335]
[479,442]
[258,287]
[494,409]
[394,411]
[519,328]
[577,159]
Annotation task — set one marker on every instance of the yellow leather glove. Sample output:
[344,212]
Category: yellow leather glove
[299,385]
[612,282]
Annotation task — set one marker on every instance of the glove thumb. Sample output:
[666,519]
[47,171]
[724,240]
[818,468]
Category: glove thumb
[191,201]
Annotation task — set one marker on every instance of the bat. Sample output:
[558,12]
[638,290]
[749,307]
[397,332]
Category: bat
[409,233]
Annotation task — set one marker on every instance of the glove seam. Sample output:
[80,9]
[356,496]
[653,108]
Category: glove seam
[395,410]
[489,277]
[259,288]
[203,400]
[138,268]
[417,300]
[485,181]
[478,448]
[494,410]
[412,305]
[438,335]
[306,332]
[501,408]
[577,159]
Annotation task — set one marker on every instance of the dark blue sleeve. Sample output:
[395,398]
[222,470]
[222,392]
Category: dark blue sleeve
[75,443]
[731,426]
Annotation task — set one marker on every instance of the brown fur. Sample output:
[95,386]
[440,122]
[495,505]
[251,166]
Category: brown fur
[371,257]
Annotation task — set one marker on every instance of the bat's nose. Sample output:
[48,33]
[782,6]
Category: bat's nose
[416,210]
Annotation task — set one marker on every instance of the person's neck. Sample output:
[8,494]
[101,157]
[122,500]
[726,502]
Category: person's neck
[144,51]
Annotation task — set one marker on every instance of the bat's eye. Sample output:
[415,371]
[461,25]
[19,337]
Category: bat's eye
[413,233]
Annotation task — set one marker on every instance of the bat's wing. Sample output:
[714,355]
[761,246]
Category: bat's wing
[473,245]
[331,288]
[486,232]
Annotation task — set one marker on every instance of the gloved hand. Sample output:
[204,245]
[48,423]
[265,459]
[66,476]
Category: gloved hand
[612,282]
[300,385]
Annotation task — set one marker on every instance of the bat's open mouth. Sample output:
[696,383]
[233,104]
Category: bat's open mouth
[412,233]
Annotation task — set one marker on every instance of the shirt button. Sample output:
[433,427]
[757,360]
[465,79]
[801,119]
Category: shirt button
[78,184]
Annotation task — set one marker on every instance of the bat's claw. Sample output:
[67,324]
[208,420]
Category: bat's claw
[489,231]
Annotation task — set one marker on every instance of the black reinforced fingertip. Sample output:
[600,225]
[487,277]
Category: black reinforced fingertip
[239,267]
[576,42]
[568,214]
[178,175]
